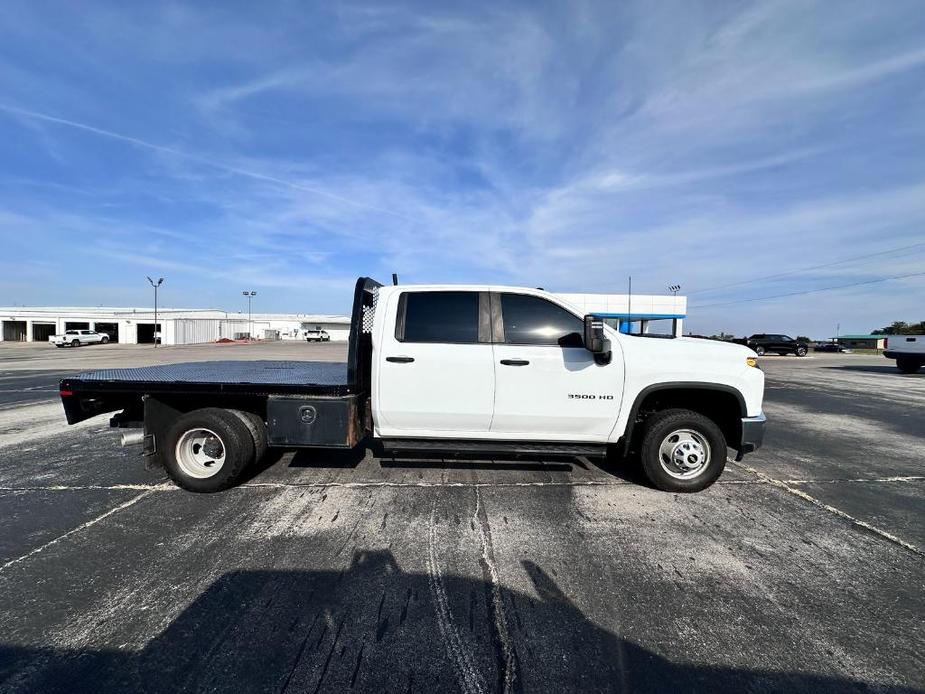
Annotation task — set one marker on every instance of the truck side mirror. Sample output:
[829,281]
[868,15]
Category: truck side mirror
[595,340]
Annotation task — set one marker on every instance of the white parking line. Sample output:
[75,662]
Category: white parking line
[82,526]
[831,509]
[167,487]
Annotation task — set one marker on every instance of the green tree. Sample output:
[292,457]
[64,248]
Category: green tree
[901,328]
[802,338]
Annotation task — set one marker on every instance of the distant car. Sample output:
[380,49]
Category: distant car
[317,336]
[76,338]
[763,343]
[831,347]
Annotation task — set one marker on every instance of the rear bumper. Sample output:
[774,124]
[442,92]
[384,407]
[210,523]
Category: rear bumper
[752,434]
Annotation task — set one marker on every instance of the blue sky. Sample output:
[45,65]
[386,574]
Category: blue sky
[289,147]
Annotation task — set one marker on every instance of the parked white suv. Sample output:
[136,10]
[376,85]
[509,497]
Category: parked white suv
[76,338]
[317,336]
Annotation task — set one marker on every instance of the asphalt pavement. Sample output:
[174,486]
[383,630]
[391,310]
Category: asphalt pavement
[800,570]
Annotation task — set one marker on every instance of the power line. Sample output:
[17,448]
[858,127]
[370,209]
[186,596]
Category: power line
[806,269]
[813,291]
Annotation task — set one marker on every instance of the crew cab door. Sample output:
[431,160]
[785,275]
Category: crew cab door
[435,371]
[547,385]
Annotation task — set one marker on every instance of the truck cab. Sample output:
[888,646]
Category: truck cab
[453,369]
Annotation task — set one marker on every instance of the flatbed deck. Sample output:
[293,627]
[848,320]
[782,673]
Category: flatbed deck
[240,377]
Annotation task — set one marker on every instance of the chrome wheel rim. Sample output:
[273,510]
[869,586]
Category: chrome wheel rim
[684,454]
[200,453]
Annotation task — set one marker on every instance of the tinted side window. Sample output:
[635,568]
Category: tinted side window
[440,317]
[530,320]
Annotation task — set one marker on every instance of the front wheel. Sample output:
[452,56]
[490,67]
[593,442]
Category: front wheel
[907,365]
[104,340]
[682,451]
[800,351]
[759,350]
[75,343]
[208,450]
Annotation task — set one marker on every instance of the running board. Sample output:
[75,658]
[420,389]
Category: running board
[468,447]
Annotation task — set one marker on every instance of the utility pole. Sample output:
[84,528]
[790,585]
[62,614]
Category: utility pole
[250,324]
[155,285]
[629,308]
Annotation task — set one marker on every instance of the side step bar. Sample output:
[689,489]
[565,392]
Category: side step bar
[468,447]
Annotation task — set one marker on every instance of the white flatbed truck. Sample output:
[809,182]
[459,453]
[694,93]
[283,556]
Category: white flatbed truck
[444,369]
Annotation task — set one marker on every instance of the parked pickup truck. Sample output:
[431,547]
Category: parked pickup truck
[458,370]
[76,338]
[907,350]
[763,343]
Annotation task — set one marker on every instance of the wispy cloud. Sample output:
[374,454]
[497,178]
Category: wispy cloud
[562,147]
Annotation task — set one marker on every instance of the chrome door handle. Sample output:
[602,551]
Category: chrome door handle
[400,360]
[515,362]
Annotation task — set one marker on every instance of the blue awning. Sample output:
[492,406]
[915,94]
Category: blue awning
[639,316]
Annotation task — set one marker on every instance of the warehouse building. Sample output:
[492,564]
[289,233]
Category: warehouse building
[650,314]
[176,326]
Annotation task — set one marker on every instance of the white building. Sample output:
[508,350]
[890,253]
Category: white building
[177,326]
[645,313]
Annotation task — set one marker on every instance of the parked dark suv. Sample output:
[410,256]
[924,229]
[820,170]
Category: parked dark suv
[778,344]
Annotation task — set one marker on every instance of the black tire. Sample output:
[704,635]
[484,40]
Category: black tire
[258,429]
[59,346]
[236,441]
[759,350]
[104,340]
[75,343]
[659,427]
[800,352]
[908,365]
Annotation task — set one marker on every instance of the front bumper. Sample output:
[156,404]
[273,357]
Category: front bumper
[752,434]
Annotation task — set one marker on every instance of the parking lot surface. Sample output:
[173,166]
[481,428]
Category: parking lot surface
[800,570]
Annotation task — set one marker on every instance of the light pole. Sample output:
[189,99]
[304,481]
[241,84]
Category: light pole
[155,285]
[674,289]
[250,325]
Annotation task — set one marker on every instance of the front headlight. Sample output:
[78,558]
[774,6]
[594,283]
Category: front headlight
[752,361]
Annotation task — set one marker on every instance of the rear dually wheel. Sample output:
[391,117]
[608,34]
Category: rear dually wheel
[208,450]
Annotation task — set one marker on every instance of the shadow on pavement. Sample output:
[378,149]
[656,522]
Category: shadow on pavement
[373,627]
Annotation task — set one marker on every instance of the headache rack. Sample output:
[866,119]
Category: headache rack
[360,354]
